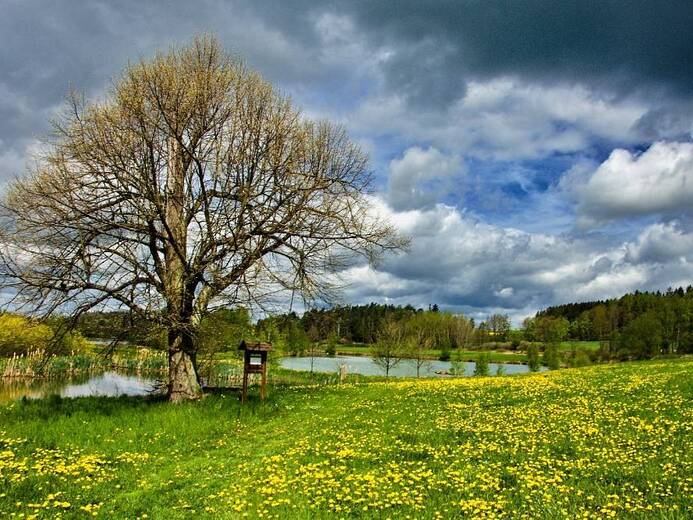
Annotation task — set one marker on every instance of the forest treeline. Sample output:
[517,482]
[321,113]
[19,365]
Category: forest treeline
[638,324]
[635,326]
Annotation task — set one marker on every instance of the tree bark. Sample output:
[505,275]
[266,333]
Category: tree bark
[183,383]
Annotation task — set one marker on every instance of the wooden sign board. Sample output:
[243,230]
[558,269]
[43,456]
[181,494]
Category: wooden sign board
[254,362]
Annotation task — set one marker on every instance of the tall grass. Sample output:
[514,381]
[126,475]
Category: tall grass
[41,364]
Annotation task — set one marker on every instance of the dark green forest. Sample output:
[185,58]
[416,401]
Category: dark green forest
[639,324]
[635,326]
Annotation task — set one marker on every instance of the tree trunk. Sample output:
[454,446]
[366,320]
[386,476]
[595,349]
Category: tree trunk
[183,383]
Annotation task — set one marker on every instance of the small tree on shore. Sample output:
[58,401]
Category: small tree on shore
[391,346]
[533,358]
[552,358]
[419,339]
[481,368]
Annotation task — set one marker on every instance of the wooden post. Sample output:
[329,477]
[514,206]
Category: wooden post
[244,391]
[263,382]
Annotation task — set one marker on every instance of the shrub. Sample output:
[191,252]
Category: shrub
[579,358]
[533,358]
[330,349]
[482,365]
[552,357]
[21,335]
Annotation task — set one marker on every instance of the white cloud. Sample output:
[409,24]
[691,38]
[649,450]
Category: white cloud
[661,243]
[506,119]
[470,266]
[659,180]
[505,292]
[421,177]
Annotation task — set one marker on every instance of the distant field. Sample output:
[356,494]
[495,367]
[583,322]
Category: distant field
[497,355]
[584,345]
[599,442]
[466,355]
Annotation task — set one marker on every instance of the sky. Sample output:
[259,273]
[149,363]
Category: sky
[535,152]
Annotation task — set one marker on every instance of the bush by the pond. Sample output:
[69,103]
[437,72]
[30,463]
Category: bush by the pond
[481,368]
[21,335]
[533,358]
[552,357]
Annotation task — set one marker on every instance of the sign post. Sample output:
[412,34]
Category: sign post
[254,362]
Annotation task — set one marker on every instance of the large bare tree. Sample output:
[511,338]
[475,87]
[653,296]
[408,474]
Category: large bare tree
[192,184]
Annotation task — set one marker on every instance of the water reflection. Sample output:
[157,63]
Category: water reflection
[107,384]
[365,365]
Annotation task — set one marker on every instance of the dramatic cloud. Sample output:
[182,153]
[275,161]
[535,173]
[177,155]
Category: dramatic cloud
[421,177]
[506,119]
[659,180]
[621,45]
[514,144]
[466,265]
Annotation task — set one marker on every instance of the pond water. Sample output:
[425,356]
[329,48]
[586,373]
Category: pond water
[114,384]
[365,365]
[105,384]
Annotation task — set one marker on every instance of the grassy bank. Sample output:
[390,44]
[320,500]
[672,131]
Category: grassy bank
[498,353]
[602,441]
[496,356]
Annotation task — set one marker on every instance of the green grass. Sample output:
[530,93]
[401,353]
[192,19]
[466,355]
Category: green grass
[580,345]
[601,441]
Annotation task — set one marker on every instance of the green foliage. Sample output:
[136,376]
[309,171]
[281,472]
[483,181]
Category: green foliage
[444,354]
[579,358]
[391,346]
[641,338]
[20,335]
[552,357]
[498,326]
[638,325]
[331,345]
[223,330]
[533,358]
[297,341]
[515,337]
[546,329]
[481,368]
[457,363]
[363,323]
[270,331]
[124,326]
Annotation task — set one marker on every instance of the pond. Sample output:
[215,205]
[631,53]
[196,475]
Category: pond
[106,384]
[365,365]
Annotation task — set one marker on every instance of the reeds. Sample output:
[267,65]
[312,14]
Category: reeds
[41,364]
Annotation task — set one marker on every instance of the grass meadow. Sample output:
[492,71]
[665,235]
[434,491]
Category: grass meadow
[598,442]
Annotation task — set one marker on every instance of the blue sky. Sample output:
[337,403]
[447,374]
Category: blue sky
[535,155]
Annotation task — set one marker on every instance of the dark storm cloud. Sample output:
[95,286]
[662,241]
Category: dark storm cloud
[430,49]
[48,48]
[614,43]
